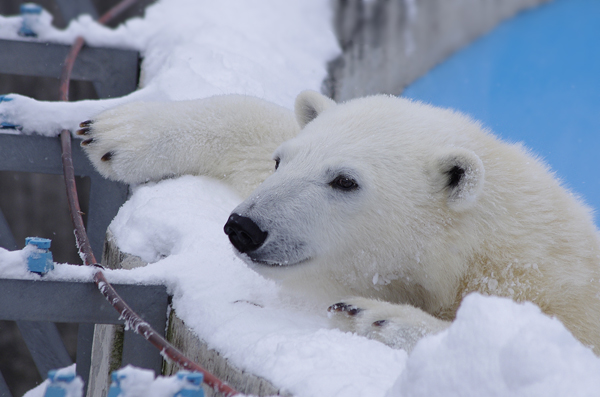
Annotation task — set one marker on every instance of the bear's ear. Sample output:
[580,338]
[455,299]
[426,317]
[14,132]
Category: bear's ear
[309,104]
[459,174]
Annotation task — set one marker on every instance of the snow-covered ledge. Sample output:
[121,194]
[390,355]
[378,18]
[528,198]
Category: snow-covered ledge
[107,345]
[388,44]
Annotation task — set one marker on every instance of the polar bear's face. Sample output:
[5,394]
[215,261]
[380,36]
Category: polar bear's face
[305,210]
[366,184]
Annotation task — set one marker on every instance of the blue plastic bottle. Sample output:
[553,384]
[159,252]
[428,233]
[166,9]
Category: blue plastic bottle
[58,383]
[192,385]
[39,261]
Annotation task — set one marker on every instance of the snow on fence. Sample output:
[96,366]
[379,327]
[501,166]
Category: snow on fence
[107,344]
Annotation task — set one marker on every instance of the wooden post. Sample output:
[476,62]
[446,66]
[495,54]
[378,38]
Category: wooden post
[108,345]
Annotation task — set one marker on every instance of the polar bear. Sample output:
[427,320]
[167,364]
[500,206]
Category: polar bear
[394,209]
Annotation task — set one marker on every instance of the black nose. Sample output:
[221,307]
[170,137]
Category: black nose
[244,234]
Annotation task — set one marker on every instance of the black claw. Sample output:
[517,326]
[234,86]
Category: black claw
[87,142]
[354,311]
[344,307]
[380,323]
[107,156]
[85,123]
[83,131]
[338,307]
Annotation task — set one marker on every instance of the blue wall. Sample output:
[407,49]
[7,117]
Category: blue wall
[534,79]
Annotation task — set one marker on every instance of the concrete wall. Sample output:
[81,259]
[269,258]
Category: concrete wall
[387,44]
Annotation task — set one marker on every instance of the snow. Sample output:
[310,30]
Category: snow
[273,50]
[499,348]
[13,265]
[194,49]
[74,388]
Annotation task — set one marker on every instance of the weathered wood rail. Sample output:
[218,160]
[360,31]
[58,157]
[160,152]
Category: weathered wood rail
[107,345]
[36,303]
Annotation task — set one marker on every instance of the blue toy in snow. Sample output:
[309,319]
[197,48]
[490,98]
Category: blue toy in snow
[192,384]
[39,261]
[5,125]
[58,383]
[9,126]
[189,383]
[115,386]
[31,15]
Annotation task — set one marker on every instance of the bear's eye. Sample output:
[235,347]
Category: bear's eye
[277,160]
[344,183]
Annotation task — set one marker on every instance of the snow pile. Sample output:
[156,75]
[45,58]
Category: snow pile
[71,388]
[195,49]
[496,347]
[13,265]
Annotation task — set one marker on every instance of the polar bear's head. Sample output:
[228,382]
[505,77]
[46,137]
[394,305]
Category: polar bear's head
[363,198]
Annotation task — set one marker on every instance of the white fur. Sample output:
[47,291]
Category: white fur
[230,137]
[406,235]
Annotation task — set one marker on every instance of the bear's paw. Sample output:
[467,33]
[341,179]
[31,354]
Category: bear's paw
[398,326]
[122,143]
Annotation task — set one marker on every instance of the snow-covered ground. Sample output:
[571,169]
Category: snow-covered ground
[194,49]
[273,50]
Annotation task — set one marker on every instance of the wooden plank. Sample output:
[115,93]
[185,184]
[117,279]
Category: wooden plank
[114,71]
[183,338]
[71,9]
[7,240]
[106,357]
[4,391]
[34,153]
[45,345]
[43,155]
[85,337]
[75,302]
[189,344]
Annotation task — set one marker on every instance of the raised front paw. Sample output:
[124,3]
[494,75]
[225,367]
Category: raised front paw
[120,144]
[101,146]
[398,326]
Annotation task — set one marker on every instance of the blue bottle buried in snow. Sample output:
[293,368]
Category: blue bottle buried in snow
[115,386]
[5,125]
[40,260]
[59,383]
[31,15]
[192,384]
